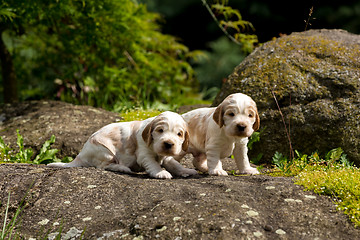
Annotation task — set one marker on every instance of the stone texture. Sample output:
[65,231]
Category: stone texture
[72,125]
[106,205]
[87,203]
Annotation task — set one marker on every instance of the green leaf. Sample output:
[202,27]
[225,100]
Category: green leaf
[334,154]
[46,154]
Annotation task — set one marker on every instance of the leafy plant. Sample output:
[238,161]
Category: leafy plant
[24,155]
[232,24]
[292,167]
[119,58]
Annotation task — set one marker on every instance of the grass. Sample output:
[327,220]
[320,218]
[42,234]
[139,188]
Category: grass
[332,175]
[9,227]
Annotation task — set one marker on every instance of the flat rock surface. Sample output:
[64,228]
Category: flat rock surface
[107,205]
[88,203]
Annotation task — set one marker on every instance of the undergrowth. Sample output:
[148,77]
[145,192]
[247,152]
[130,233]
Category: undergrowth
[25,155]
[333,175]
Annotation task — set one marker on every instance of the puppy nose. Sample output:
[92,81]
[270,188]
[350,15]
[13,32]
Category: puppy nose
[241,128]
[168,145]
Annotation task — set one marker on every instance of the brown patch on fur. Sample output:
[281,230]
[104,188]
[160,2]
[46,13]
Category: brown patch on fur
[111,140]
[130,143]
[92,140]
[256,125]
[146,134]
[198,126]
[220,110]
[186,142]
[218,115]
[115,137]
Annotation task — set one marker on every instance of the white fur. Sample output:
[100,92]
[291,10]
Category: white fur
[217,133]
[131,146]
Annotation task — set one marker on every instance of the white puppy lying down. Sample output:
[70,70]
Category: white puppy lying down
[132,146]
[216,133]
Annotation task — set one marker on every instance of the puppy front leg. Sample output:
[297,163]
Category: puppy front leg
[152,167]
[241,158]
[176,168]
[214,163]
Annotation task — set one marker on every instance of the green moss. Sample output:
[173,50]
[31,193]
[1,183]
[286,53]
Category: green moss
[138,114]
[293,65]
[314,77]
[332,175]
[342,184]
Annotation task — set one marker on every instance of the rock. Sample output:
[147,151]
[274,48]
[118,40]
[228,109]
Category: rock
[37,120]
[315,77]
[137,207]
[88,203]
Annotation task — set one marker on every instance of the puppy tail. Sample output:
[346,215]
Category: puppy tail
[75,163]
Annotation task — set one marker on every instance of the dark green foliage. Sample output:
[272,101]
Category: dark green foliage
[232,24]
[102,53]
[218,64]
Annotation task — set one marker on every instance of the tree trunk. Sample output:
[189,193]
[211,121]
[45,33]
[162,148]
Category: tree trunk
[8,74]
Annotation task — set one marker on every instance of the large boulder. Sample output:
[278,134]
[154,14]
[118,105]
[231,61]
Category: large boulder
[315,78]
[72,125]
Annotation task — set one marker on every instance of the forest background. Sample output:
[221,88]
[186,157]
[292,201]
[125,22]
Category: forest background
[150,53]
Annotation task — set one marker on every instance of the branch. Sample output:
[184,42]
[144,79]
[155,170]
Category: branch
[287,132]
[218,23]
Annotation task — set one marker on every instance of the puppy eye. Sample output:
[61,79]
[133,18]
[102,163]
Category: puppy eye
[251,115]
[160,130]
[231,114]
[180,134]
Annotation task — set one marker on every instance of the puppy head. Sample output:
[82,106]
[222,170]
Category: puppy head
[238,115]
[167,134]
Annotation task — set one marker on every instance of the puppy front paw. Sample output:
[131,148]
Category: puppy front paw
[186,172]
[249,170]
[218,172]
[163,174]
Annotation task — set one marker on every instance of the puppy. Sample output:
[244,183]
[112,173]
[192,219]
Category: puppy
[216,133]
[134,146]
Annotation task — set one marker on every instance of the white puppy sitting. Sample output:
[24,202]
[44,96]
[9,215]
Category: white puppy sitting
[216,133]
[133,146]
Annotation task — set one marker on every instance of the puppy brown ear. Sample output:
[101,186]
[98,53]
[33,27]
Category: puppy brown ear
[256,125]
[185,144]
[146,134]
[218,115]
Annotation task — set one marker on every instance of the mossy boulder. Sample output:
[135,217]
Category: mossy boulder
[315,78]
